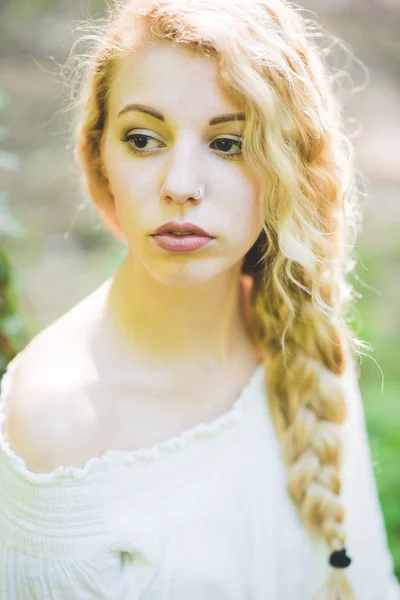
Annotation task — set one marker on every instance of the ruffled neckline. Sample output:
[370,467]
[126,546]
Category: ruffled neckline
[152,452]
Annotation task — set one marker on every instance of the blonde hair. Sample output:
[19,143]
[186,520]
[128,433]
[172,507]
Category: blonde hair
[295,144]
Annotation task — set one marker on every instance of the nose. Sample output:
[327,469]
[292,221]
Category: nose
[181,197]
[181,183]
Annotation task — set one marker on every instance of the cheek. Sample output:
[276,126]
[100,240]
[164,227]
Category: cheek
[119,168]
[126,180]
[123,181]
[241,208]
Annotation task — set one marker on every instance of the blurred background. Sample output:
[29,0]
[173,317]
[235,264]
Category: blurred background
[54,249]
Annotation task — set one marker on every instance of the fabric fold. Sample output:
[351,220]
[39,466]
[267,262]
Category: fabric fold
[139,547]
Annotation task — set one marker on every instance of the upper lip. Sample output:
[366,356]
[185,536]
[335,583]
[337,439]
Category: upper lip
[172,226]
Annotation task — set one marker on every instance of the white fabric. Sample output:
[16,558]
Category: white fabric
[202,516]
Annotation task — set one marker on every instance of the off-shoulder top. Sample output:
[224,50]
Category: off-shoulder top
[204,515]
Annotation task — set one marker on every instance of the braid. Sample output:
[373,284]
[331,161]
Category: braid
[307,406]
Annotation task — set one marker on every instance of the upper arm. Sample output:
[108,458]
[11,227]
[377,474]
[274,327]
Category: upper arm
[371,572]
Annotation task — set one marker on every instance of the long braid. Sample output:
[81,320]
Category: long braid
[306,348]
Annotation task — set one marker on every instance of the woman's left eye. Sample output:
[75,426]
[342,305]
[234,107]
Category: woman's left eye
[140,139]
[228,142]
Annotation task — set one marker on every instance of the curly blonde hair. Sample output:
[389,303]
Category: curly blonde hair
[295,143]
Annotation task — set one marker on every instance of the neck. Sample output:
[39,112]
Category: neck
[163,322]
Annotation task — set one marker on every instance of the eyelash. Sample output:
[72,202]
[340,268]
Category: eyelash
[128,138]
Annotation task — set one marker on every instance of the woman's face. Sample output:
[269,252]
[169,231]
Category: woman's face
[177,154]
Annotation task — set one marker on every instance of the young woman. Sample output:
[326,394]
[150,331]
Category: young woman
[193,429]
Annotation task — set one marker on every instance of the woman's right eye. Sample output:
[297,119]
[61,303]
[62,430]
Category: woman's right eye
[140,140]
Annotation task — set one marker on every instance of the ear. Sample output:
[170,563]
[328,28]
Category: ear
[110,218]
[104,200]
[246,284]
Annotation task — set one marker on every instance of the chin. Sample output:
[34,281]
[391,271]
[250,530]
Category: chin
[187,274]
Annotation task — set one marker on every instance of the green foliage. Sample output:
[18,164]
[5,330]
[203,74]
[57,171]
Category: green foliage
[11,325]
[29,8]
[379,324]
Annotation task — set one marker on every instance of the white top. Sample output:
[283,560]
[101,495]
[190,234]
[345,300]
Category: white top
[204,515]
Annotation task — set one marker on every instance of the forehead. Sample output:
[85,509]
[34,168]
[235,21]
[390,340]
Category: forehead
[173,79]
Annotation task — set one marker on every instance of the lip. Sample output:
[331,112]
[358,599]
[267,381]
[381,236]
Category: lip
[172,226]
[183,244]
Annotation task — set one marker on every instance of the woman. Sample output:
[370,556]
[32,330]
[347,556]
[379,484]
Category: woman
[193,428]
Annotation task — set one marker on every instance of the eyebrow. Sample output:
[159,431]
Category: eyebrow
[155,113]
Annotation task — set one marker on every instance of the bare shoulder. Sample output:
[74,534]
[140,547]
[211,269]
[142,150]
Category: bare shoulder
[46,418]
[49,420]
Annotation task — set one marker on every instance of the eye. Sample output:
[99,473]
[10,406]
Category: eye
[138,144]
[139,139]
[227,144]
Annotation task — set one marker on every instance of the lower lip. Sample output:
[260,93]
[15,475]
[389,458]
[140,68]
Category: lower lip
[188,243]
